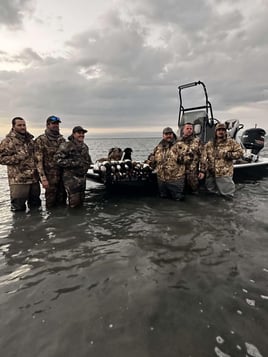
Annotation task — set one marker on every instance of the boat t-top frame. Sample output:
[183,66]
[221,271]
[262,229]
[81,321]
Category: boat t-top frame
[200,116]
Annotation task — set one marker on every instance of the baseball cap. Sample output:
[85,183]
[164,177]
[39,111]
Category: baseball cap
[220,126]
[167,130]
[76,129]
[53,119]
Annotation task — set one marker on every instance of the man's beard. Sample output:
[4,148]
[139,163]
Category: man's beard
[55,130]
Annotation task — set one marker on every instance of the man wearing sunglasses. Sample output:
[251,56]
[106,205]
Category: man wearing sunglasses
[17,152]
[218,157]
[46,146]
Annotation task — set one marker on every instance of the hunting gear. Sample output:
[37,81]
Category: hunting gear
[168,159]
[46,146]
[218,157]
[17,152]
[74,159]
[194,169]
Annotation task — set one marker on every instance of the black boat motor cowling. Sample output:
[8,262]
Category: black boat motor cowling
[253,139]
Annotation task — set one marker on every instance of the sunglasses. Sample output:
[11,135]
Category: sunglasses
[221,129]
[54,119]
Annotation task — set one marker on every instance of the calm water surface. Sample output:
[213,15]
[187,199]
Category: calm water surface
[136,276]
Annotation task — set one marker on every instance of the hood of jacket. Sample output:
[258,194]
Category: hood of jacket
[23,137]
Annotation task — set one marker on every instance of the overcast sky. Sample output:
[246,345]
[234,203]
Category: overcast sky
[114,66]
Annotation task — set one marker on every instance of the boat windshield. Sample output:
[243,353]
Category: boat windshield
[192,117]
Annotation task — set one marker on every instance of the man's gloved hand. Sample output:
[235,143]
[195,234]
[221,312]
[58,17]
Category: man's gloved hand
[228,155]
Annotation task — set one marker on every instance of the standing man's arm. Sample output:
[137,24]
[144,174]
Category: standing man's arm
[39,156]
[9,155]
[235,152]
[63,159]
[202,161]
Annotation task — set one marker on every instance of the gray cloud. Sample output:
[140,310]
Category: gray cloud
[189,16]
[114,77]
[12,12]
[118,50]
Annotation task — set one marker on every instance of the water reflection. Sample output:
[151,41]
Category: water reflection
[137,276]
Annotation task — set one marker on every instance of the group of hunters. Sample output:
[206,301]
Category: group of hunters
[61,166]
[182,163]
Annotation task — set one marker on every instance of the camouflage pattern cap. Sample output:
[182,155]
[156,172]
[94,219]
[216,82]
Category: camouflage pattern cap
[220,126]
[167,130]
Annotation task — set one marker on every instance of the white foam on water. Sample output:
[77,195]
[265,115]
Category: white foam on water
[15,275]
[250,302]
[219,353]
[220,340]
[252,350]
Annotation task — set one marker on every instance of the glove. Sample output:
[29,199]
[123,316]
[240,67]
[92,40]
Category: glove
[228,155]
[190,153]
[221,155]
[189,156]
[151,157]
[180,160]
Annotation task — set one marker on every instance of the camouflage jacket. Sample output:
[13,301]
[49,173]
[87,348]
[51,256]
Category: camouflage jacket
[73,158]
[219,156]
[195,152]
[45,150]
[17,152]
[169,160]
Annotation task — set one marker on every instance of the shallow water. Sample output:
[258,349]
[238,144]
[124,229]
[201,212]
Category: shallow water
[136,276]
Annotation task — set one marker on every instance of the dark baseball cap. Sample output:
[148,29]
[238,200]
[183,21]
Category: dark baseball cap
[76,129]
[53,119]
[167,130]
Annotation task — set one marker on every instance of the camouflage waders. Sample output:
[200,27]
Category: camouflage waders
[74,159]
[46,146]
[17,152]
[19,194]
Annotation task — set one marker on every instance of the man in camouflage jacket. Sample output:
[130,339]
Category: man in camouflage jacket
[195,170]
[218,156]
[73,157]
[168,159]
[17,152]
[46,146]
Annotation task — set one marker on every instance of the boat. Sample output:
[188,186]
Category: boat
[128,174]
[252,166]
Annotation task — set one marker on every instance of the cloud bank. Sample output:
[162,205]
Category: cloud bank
[123,72]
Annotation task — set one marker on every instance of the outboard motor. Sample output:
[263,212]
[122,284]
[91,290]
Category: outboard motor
[253,140]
